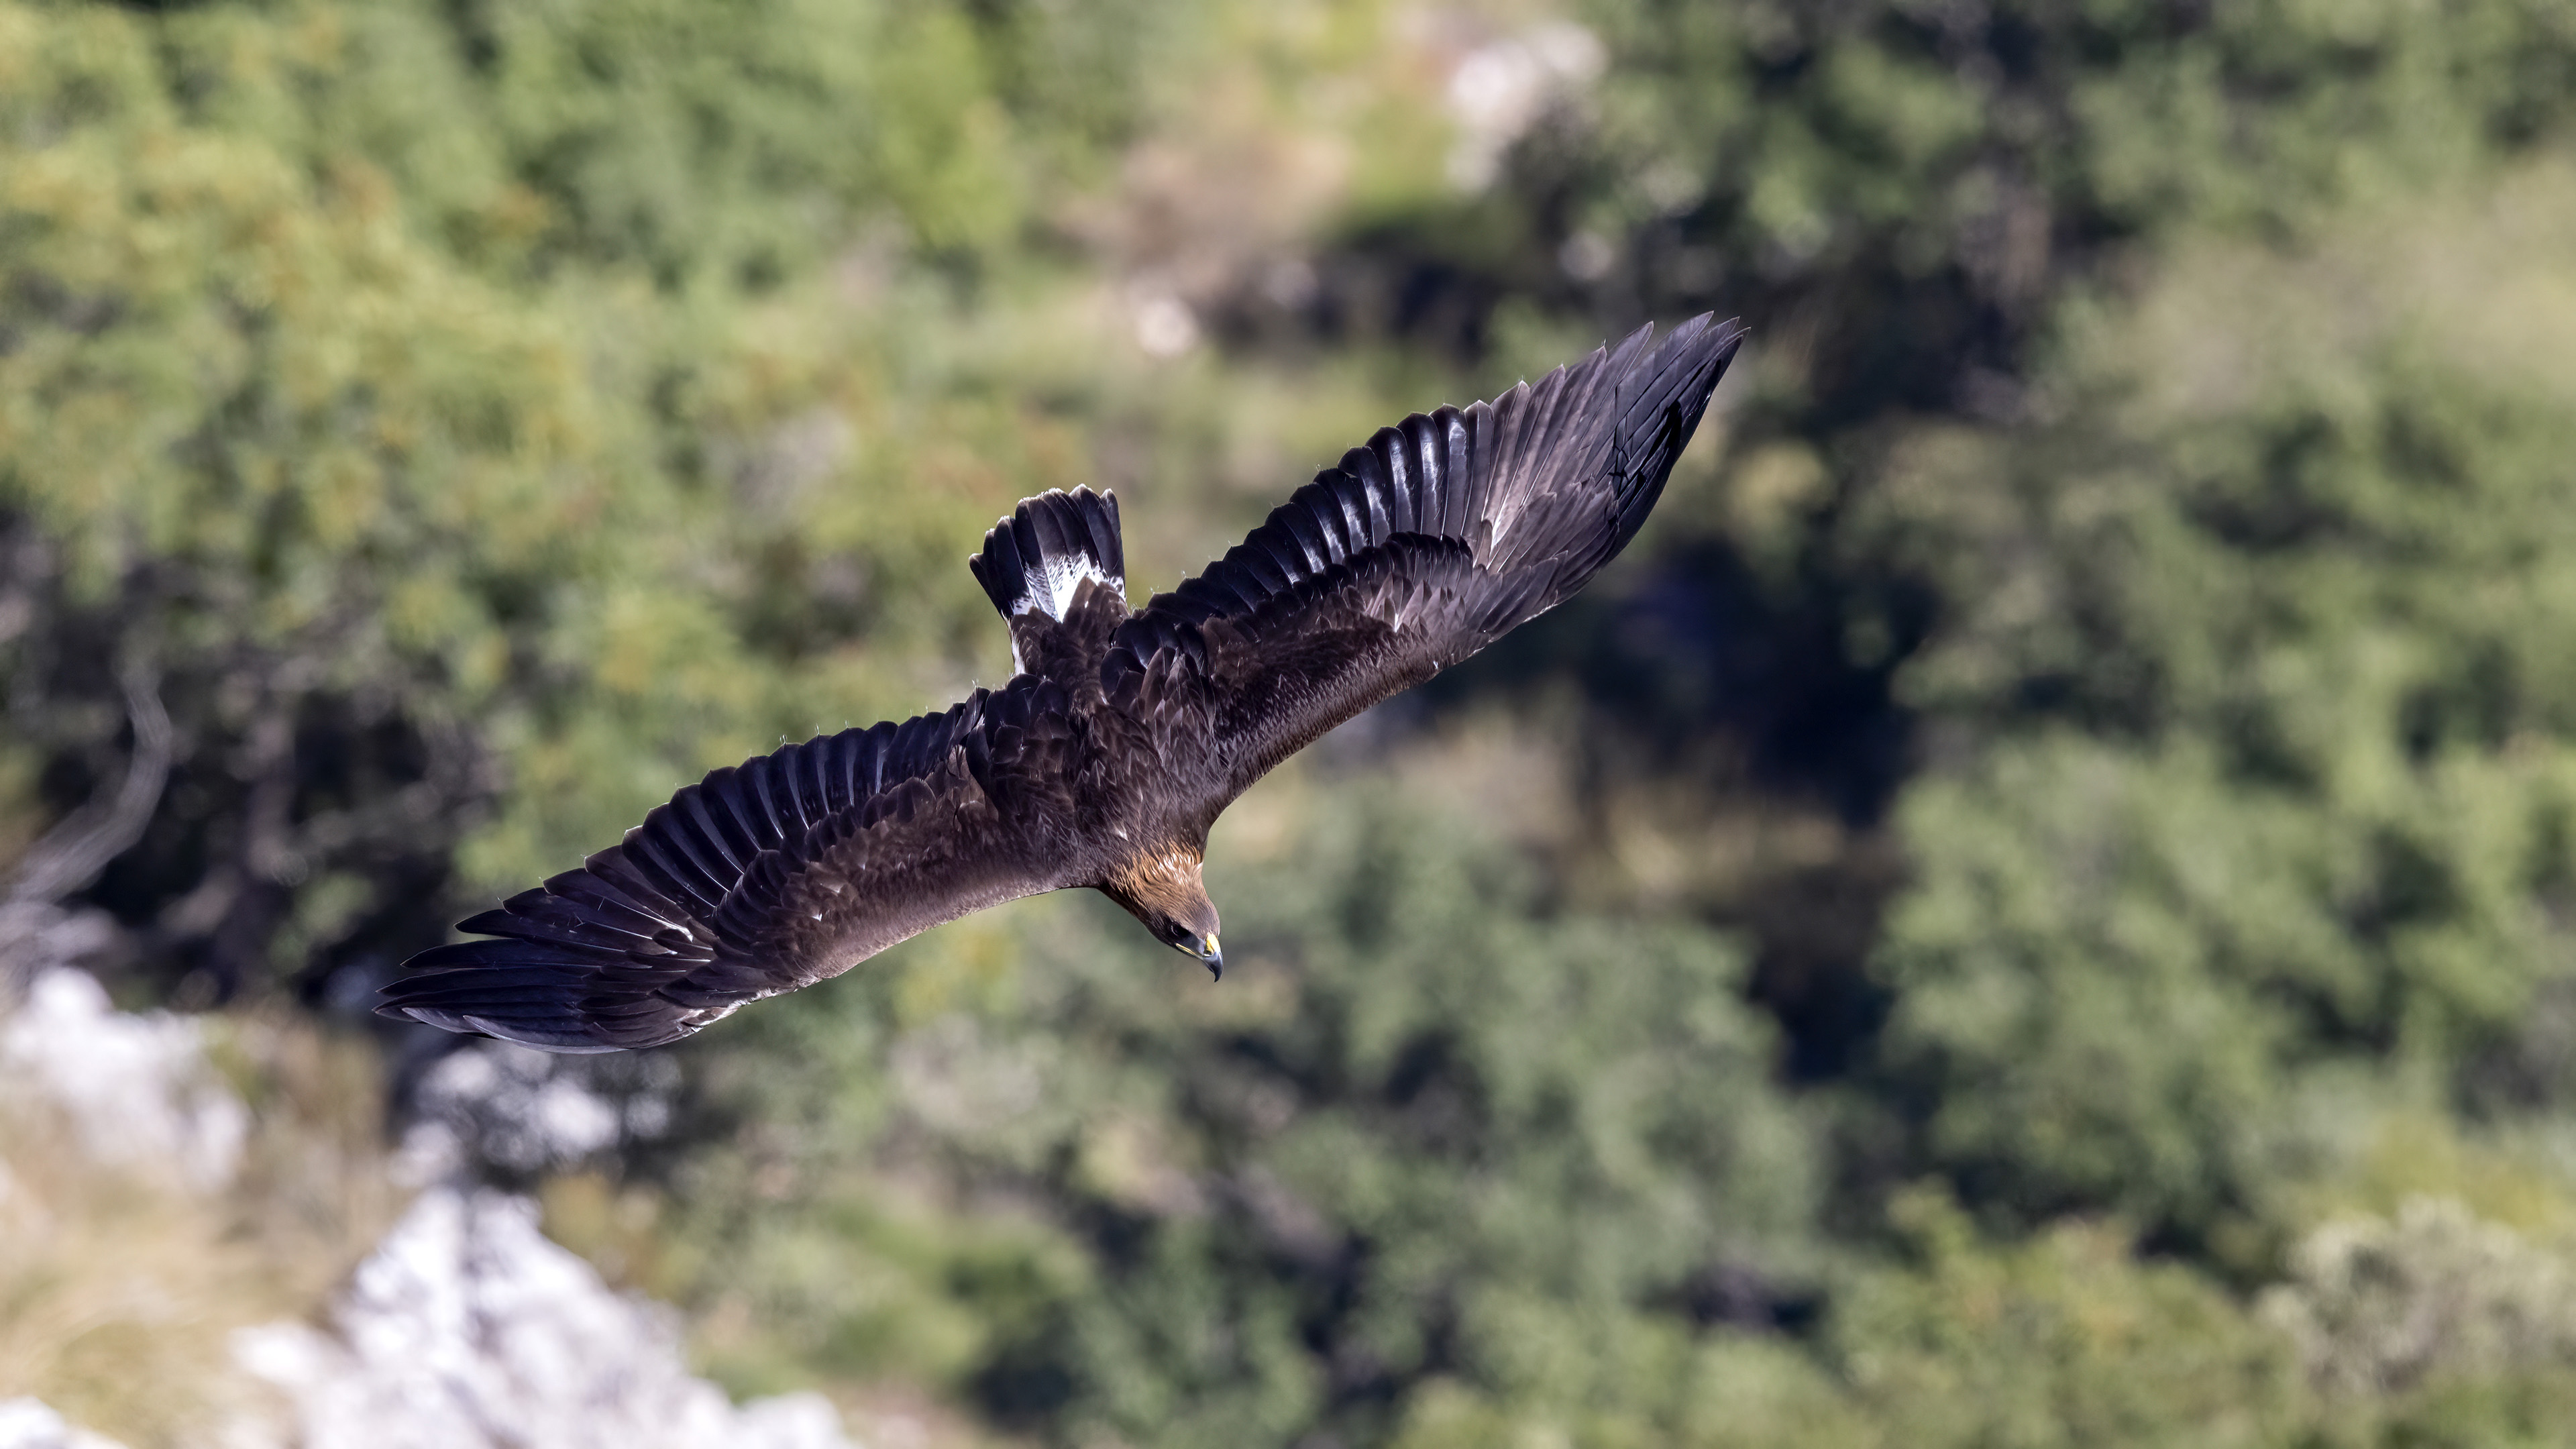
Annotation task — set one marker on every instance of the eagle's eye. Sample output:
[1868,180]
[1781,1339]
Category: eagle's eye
[1191,943]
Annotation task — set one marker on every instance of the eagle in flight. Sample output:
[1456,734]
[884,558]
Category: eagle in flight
[1121,734]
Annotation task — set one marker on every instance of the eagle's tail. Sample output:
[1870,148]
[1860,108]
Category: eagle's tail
[1033,560]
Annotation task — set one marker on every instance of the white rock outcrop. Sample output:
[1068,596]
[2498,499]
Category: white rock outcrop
[468,1328]
[28,1424]
[135,1087]
[465,1328]
[496,1104]
[1499,90]
[2381,1305]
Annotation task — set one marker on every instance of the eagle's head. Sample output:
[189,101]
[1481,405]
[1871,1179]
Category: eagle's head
[1161,888]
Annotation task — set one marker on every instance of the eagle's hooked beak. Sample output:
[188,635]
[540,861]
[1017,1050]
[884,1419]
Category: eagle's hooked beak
[1214,958]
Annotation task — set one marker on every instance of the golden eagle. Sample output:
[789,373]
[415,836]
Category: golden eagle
[1120,736]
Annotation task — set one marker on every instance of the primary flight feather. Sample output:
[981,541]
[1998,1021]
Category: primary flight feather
[1121,736]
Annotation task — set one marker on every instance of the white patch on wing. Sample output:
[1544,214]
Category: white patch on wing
[1049,587]
[1052,586]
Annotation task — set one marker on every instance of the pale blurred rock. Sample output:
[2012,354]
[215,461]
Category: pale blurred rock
[498,1105]
[2378,1305]
[468,1328]
[28,1424]
[1500,89]
[1165,326]
[37,937]
[135,1087]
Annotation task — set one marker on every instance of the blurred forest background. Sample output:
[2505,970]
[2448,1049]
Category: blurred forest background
[2037,905]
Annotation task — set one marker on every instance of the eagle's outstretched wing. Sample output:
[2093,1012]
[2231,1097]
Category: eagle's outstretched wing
[1433,541]
[766,877]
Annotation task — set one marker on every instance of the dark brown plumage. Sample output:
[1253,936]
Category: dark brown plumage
[1121,736]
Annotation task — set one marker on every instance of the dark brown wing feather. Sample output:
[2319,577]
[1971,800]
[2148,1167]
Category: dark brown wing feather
[765,877]
[1439,537]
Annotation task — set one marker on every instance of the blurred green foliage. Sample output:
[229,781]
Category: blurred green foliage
[1433,1130]
[2033,910]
